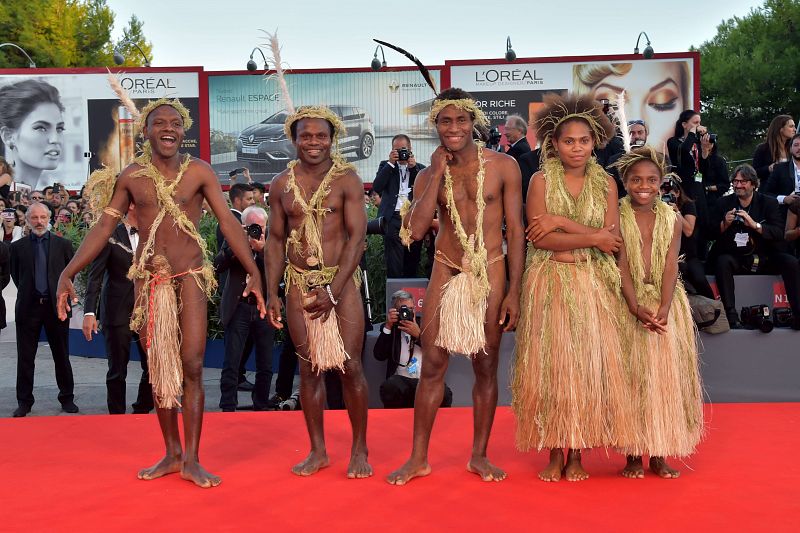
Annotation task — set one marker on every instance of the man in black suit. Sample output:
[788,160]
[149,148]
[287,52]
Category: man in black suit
[399,345]
[108,276]
[36,264]
[783,183]
[394,182]
[528,166]
[516,131]
[241,196]
[241,320]
[5,277]
[750,241]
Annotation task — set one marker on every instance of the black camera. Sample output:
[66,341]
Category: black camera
[403,154]
[254,231]
[235,171]
[757,317]
[376,226]
[782,317]
[606,105]
[56,188]
[494,136]
[405,313]
[712,138]
[738,219]
[668,198]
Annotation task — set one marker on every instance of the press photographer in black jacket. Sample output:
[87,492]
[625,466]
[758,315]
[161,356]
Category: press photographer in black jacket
[399,345]
[750,241]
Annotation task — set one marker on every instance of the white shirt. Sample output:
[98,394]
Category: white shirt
[405,190]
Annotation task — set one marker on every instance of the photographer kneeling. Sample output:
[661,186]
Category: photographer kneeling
[750,241]
[399,345]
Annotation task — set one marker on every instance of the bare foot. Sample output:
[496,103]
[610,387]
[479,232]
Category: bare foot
[167,465]
[359,468]
[634,469]
[409,471]
[574,470]
[659,466]
[312,464]
[553,470]
[485,469]
[192,471]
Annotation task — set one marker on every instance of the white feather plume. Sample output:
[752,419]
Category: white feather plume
[122,94]
[623,121]
[274,46]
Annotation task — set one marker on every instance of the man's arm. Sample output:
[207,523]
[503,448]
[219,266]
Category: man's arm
[383,346]
[426,193]
[275,250]
[232,231]
[382,177]
[355,225]
[224,259]
[771,227]
[92,244]
[515,239]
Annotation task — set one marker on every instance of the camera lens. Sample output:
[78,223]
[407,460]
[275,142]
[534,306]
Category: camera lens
[254,231]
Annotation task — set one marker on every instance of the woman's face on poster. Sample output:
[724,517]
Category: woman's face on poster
[652,93]
[40,139]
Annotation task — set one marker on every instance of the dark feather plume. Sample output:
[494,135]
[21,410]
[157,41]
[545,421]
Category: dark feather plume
[422,68]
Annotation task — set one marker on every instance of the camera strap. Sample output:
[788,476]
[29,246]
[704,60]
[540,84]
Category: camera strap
[754,266]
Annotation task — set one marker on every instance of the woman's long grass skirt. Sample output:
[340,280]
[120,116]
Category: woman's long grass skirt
[570,388]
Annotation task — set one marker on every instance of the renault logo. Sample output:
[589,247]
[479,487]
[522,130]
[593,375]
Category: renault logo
[251,138]
[394,85]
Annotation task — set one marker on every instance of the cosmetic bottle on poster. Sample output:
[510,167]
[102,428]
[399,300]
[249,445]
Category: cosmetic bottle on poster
[125,134]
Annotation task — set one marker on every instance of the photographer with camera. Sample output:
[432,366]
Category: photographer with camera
[750,241]
[691,268]
[394,182]
[399,345]
[493,139]
[240,318]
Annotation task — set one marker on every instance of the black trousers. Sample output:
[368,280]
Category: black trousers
[400,261]
[786,265]
[245,320]
[286,367]
[694,274]
[29,327]
[398,392]
[118,350]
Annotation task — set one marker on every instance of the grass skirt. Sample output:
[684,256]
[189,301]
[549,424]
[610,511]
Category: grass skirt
[569,382]
[665,381]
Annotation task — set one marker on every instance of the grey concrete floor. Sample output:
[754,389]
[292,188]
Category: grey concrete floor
[90,382]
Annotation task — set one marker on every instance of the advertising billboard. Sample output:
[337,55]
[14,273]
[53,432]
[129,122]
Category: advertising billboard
[58,126]
[246,116]
[657,90]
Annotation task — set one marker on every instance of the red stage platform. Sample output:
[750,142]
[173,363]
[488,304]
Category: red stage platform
[78,473]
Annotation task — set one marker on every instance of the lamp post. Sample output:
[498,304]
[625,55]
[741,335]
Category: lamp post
[511,55]
[251,64]
[648,50]
[31,64]
[120,59]
[376,64]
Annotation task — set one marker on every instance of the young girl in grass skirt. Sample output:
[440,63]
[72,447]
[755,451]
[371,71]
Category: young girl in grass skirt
[570,388]
[659,336]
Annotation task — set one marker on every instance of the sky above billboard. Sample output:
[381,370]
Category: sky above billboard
[317,34]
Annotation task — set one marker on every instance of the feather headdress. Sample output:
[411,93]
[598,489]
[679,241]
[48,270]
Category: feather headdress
[422,68]
[622,120]
[275,48]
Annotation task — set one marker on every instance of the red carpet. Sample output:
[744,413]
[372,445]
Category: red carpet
[79,474]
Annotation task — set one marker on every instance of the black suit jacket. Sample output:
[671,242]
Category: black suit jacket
[236,280]
[528,166]
[108,286]
[518,150]
[387,185]
[387,348]
[59,254]
[5,277]
[220,236]
[780,182]
[763,209]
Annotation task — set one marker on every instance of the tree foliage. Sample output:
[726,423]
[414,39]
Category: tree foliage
[750,73]
[64,33]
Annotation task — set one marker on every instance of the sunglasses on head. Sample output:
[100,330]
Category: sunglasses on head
[637,122]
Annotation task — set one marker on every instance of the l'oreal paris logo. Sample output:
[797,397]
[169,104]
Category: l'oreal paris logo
[508,77]
[145,85]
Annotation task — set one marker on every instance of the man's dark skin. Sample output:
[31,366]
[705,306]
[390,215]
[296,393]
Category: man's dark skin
[343,233]
[503,195]
[164,130]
